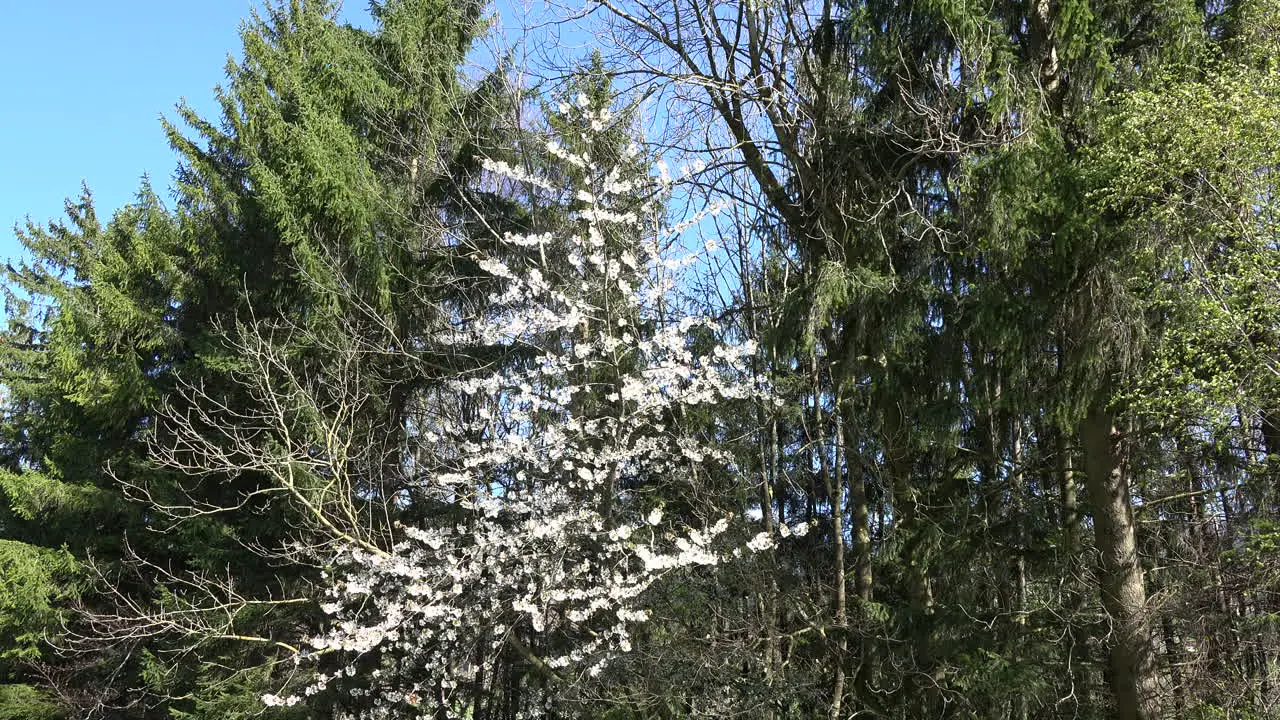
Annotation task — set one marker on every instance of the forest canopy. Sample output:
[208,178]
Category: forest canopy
[785,359]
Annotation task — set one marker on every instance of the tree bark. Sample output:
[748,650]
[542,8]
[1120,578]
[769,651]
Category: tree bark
[1133,678]
[861,532]
[906,500]
[1075,654]
[833,481]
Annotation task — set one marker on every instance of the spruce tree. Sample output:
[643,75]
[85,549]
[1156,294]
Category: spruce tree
[317,204]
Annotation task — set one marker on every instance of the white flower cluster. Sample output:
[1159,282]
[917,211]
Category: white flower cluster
[542,538]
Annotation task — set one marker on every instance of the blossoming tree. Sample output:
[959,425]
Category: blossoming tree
[535,521]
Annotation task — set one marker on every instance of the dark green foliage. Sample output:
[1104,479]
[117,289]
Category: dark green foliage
[320,200]
[24,702]
[34,585]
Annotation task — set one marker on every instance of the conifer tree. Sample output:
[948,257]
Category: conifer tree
[337,160]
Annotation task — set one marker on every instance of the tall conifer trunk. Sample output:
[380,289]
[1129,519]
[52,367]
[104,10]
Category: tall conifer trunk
[859,509]
[1134,684]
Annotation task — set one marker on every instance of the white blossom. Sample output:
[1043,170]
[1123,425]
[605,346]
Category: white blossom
[542,542]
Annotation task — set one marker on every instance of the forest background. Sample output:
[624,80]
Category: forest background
[871,358]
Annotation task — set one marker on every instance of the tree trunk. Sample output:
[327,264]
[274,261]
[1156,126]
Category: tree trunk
[861,532]
[1271,445]
[1133,679]
[897,462]
[833,481]
[1017,479]
[1075,652]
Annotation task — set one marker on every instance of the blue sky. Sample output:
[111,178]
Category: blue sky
[83,84]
